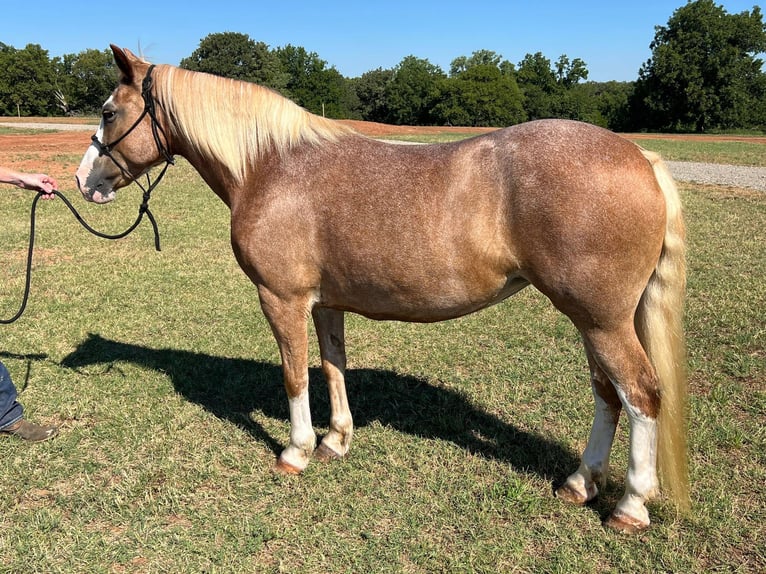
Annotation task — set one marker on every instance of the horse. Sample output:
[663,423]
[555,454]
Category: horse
[326,221]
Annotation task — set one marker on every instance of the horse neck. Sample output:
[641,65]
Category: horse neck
[227,136]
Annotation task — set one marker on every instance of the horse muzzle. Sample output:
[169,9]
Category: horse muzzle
[101,192]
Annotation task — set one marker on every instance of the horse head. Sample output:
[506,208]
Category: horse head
[130,139]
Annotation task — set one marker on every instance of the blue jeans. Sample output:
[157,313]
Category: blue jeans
[10,409]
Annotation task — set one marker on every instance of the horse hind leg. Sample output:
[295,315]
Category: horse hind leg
[330,331]
[621,357]
[583,485]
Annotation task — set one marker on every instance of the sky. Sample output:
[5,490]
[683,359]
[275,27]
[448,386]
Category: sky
[611,36]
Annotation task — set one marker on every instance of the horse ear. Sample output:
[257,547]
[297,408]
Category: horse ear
[123,60]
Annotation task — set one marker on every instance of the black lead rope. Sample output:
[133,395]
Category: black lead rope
[143,209]
[106,149]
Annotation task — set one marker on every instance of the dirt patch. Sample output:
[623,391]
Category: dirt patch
[373,129]
[57,154]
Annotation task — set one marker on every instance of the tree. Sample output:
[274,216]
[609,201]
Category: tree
[413,91]
[85,80]
[554,92]
[605,104]
[570,73]
[313,85]
[235,55]
[26,86]
[538,84]
[481,91]
[703,73]
[478,58]
[370,89]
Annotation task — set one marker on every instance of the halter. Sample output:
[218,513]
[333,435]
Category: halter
[150,110]
[106,149]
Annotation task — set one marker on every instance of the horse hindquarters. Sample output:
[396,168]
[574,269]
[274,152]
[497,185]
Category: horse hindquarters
[644,360]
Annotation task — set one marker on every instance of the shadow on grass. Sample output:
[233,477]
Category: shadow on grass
[28,358]
[232,388]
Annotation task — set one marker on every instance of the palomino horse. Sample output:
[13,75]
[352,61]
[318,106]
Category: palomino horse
[324,221]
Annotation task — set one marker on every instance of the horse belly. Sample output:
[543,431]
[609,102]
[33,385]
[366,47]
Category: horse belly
[425,293]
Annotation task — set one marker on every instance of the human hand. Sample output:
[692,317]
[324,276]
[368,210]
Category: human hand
[39,182]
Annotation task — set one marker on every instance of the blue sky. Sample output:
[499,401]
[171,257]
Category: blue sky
[612,36]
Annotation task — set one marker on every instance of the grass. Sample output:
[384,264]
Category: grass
[725,152]
[24,131]
[165,378]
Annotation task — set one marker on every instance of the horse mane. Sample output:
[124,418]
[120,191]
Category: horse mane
[236,122]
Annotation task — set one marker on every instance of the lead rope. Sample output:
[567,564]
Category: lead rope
[106,149]
[143,209]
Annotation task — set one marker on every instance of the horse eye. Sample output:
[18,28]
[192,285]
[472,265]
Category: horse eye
[108,115]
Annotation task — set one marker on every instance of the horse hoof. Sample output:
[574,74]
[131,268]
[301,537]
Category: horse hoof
[325,454]
[286,468]
[570,495]
[624,523]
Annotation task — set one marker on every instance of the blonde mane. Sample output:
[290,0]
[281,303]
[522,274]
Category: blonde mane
[237,122]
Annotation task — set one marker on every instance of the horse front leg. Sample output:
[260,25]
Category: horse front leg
[329,327]
[288,323]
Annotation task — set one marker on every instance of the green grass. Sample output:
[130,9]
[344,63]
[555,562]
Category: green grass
[24,131]
[725,152]
[165,378]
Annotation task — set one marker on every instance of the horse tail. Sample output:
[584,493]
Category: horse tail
[659,324]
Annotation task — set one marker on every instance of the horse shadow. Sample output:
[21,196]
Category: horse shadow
[233,388]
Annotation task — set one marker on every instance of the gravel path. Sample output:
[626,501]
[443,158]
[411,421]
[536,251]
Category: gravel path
[718,174]
[705,173]
[50,126]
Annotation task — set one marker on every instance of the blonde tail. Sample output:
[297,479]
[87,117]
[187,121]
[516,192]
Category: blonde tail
[659,323]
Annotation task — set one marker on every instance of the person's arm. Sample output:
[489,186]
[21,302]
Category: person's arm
[33,181]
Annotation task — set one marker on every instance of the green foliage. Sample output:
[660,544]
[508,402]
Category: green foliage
[480,95]
[413,92]
[555,91]
[84,81]
[313,85]
[613,100]
[538,84]
[704,73]
[300,75]
[370,90]
[479,58]
[235,55]
[26,81]
[570,73]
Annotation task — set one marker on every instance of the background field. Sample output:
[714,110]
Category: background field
[166,381]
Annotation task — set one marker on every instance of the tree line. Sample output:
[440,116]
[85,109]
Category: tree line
[704,74]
